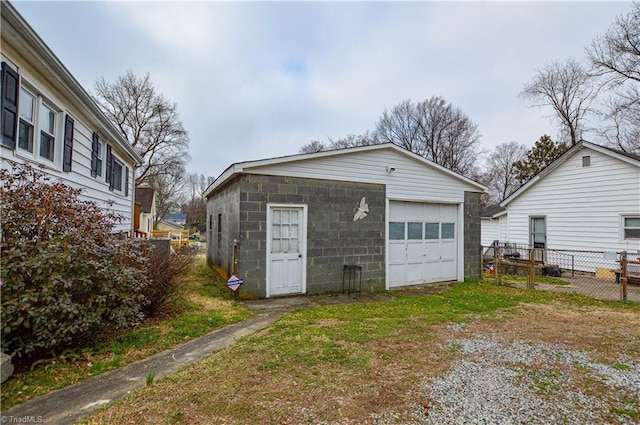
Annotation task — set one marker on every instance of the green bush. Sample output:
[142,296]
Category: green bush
[65,275]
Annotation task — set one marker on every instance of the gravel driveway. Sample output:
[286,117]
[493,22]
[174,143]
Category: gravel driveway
[516,382]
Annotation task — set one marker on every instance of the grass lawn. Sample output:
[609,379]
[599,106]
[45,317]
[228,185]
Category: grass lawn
[201,304]
[366,363]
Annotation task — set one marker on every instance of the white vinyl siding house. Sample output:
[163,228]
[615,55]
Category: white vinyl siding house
[588,199]
[50,121]
[493,228]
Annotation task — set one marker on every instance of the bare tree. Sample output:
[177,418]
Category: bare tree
[349,141]
[194,205]
[621,125]
[169,192]
[616,54]
[313,147]
[569,89]
[435,130]
[148,121]
[501,177]
[615,58]
[400,126]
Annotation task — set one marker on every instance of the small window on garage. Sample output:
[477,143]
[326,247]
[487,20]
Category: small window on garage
[414,231]
[396,230]
[448,231]
[432,231]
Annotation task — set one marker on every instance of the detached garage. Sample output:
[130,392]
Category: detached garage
[289,225]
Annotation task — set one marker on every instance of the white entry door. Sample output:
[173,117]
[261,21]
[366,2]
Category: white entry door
[422,243]
[286,242]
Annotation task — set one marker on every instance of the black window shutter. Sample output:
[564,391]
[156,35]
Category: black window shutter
[109,173]
[126,181]
[68,144]
[94,155]
[10,96]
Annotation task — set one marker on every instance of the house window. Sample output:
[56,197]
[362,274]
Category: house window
[118,168]
[27,120]
[586,161]
[37,117]
[631,227]
[99,155]
[47,131]
[538,232]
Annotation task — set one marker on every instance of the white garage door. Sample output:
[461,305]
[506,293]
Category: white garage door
[422,243]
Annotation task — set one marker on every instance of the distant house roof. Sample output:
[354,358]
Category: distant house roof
[177,218]
[626,157]
[171,225]
[144,196]
[491,211]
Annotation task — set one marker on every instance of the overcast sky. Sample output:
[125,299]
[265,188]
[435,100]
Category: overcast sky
[255,80]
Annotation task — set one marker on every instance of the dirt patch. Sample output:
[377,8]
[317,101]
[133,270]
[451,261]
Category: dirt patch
[605,333]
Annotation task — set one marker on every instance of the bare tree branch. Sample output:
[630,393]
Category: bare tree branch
[148,121]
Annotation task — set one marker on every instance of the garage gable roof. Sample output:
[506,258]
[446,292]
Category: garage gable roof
[248,166]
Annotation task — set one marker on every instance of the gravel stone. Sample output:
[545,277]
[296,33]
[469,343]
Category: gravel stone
[521,382]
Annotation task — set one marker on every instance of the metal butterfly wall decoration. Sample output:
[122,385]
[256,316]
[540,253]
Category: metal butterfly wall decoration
[361,210]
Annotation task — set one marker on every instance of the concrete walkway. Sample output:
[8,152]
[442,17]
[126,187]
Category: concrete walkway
[67,405]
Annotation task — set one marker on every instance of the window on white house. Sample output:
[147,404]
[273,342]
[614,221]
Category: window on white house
[586,161]
[27,120]
[37,117]
[538,232]
[118,168]
[99,155]
[631,227]
[47,132]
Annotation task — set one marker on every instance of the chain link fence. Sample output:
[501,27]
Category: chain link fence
[599,274]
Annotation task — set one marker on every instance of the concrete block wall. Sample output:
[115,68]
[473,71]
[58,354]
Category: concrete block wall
[333,238]
[472,244]
[223,210]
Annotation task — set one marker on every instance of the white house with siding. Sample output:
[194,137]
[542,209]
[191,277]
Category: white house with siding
[296,221]
[586,200]
[493,221]
[50,121]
